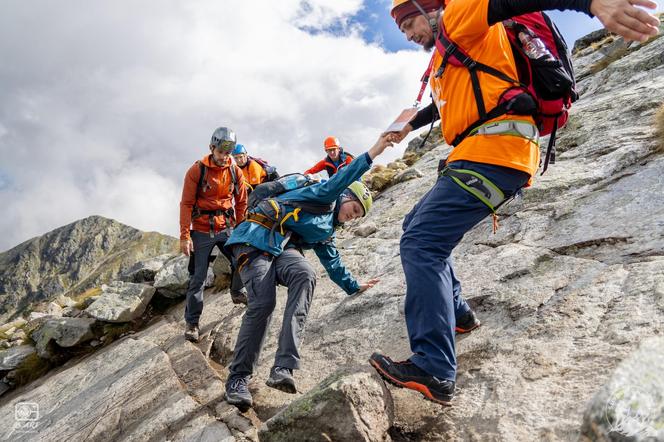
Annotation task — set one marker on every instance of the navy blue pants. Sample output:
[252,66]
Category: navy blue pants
[198,268]
[432,229]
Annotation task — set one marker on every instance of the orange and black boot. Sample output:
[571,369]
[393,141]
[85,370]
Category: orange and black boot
[467,323]
[408,375]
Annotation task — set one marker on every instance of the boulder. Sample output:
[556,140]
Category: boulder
[408,174]
[380,178]
[630,406]
[172,280]
[13,357]
[121,302]
[145,270]
[350,404]
[65,301]
[65,332]
[365,230]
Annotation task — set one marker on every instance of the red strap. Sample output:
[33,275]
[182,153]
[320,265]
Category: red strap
[425,80]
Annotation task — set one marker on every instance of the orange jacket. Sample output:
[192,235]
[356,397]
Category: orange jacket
[253,173]
[466,23]
[215,194]
[328,165]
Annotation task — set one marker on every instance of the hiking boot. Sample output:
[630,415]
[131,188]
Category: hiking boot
[237,393]
[467,323]
[239,296]
[191,333]
[282,379]
[408,375]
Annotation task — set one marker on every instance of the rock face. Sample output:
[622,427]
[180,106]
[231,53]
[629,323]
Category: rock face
[71,259]
[351,404]
[121,302]
[631,405]
[151,386]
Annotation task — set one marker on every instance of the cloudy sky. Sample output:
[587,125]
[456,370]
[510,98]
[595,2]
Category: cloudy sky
[105,104]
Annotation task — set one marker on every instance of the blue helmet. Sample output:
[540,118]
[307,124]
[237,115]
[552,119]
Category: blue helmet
[239,149]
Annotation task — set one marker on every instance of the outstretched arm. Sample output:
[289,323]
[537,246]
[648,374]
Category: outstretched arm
[619,16]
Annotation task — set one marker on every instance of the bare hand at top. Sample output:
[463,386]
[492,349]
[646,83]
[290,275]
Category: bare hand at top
[625,19]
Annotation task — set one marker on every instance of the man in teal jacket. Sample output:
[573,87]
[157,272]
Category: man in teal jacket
[267,248]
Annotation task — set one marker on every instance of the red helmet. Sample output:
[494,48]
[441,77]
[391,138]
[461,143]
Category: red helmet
[331,143]
[403,9]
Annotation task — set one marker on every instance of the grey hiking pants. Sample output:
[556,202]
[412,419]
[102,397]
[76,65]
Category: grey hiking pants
[198,268]
[261,276]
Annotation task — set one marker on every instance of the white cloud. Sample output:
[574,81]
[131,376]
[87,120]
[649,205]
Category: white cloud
[105,105]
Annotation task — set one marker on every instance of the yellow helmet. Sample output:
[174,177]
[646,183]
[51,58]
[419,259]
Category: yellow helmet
[362,194]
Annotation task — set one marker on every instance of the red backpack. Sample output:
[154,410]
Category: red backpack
[545,88]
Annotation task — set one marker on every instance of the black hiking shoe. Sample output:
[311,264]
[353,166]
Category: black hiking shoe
[282,379]
[467,323]
[237,393]
[408,375]
[191,332]
[239,296]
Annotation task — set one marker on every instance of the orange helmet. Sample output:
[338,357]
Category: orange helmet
[331,143]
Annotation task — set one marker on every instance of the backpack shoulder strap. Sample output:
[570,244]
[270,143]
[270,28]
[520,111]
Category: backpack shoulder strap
[234,187]
[201,179]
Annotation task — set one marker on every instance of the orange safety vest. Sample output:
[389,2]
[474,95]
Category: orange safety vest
[466,23]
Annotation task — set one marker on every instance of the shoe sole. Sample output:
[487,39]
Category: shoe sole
[241,405]
[286,387]
[410,385]
[463,331]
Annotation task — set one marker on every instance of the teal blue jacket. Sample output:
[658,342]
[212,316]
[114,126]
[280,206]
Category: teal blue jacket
[313,231]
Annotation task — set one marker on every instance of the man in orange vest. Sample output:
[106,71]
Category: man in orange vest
[485,169]
[214,200]
[336,158]
[254,170]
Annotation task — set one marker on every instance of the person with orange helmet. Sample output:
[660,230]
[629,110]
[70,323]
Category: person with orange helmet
[336,158]
[488,165]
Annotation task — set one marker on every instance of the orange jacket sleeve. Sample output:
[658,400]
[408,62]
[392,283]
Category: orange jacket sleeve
[317,167]
[188,199]
[240,196]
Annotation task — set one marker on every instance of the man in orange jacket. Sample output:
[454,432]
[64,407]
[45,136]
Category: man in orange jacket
[214,200]
[336,158]
[485,168]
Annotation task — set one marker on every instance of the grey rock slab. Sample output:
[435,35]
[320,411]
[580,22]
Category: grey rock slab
[121,302]
[150,386]
[14,356]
